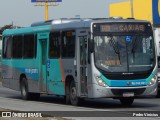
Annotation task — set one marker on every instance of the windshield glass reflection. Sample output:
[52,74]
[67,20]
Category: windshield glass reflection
[131,53]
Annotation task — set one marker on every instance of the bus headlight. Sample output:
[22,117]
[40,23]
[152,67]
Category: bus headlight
[100,81]
[153,80]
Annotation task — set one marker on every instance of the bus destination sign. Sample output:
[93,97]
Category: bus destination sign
[121,27]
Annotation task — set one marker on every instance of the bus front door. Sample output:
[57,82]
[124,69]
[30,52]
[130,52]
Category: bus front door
[42,51]
[82,62]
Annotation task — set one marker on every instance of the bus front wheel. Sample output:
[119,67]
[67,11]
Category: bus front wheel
[74,99]
[126,101]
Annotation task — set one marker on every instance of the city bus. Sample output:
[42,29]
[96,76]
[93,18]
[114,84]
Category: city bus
[0,51]
[81,58]
[156,32]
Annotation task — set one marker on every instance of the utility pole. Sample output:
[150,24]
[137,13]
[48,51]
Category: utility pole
[46,5]
[131,5]
[46,11]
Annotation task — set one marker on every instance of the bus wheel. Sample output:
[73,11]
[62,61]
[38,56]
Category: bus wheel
[126,101]
[73,94]
[67,97]
[158,93]
[24,89]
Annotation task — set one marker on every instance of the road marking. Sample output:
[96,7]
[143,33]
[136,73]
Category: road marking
[58,105]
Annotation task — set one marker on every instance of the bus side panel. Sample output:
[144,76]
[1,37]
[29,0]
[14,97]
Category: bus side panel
[29,68]
[7,77]
[55,84]
[58,71]
[70,69]
[33,85]
[13,69]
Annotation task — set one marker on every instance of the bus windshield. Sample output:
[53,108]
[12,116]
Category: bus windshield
[124,53]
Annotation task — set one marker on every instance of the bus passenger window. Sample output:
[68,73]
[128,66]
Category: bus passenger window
[54,45]
[7,49]
[29,50]
[17,46]
[68,44]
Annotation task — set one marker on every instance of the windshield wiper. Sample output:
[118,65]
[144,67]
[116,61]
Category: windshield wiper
[134,47]
[115,47]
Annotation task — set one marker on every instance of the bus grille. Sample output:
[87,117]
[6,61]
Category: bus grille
[120,92]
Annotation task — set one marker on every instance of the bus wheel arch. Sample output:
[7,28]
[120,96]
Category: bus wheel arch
[21,77]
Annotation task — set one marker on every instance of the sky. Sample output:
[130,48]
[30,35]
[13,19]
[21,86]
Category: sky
[23,12]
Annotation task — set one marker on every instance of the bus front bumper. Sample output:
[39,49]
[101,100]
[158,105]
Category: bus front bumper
[117,92]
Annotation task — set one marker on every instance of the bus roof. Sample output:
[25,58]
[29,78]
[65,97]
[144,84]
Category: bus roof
[65,23]
[26,30]
[62,21]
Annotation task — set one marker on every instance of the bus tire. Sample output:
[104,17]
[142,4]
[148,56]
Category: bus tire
[126,101]
[158,94]
[73,94]
[24,89]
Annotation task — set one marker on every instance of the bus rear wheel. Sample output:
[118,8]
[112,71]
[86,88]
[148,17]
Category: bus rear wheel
[126,101]
[24,89]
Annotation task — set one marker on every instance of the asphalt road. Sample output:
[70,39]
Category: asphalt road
[11,100]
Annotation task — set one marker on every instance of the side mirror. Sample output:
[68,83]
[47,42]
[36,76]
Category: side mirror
[158,62]
[90,49]
[90,45]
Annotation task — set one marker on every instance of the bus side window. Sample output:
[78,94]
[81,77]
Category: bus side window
[68,44]
[7,47]
[17,46]
[54,45]
[29,46]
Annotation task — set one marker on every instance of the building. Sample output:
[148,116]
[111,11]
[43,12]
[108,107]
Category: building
[142,9]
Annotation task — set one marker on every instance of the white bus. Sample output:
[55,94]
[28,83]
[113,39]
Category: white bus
[81,58]
[157,39]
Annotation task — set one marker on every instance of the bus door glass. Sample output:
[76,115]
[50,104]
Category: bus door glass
[82,65]
[43,38]
[54,65]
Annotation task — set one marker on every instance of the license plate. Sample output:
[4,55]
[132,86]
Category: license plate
[128,94]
